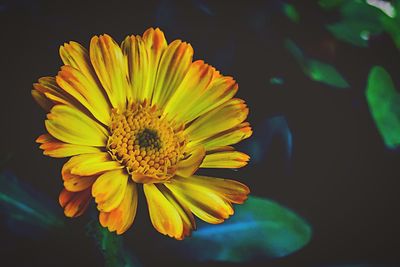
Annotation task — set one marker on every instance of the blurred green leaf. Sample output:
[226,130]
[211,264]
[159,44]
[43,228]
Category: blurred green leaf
[354,32]
[362,19]
[291,12]
[259,229]
[110,245]
[384,104]
[23,207]
[316,70]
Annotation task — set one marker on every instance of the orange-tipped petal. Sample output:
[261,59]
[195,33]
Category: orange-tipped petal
[74,203]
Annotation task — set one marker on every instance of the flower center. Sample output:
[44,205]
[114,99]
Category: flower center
[145,143]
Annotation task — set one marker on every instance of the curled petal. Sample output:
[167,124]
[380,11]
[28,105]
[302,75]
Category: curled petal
[74,203]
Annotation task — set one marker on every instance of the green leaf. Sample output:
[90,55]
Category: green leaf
[384,104]
[259,229]
[316,70]
[291,12]
[354,32]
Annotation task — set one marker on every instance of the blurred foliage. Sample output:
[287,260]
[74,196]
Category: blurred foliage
[260,229]
[291,12]
[363,19]
[110,246]
[26,211]
[384,104]
[317,71]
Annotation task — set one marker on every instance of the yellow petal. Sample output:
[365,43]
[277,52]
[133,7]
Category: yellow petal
[226,138]
[92,163]
[73,182]
[205,202]
[109,189]
[76,56]
[57,149]
[121,218]
[222,118]
[72,126]
[137,58]
[86,91]
[187,94]
[173,67]
[189,166]
[155,45]
[226,159]
[187,217]
[163,215]
[42,100]
[108,61]
[47,87]
[220,90]
[74,204]
[78,183]
[231,190]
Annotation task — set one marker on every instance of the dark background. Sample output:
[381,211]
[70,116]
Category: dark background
[341,178]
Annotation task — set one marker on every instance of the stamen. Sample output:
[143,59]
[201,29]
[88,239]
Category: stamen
[144,142]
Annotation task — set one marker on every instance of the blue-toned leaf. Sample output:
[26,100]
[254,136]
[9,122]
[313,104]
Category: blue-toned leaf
[316,70]
[27,211]
[384,104]
[259,229]
[271,130]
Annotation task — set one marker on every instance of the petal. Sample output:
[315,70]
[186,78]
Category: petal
[74,204]
[86,91]
[109,189]
[187,167]
[121,218]
[189,91]
[47,87]
[139,68]
[57,149]
[72,126]
[42,100]
[224,117]
[78,183]
[155,45]
[173,67]
[208,198]
[187,217]
[231,190]
[226,138]
[163,215]
[226,159]
[76,56]
[220,90]
[92,163]
[73,182]
[108,61]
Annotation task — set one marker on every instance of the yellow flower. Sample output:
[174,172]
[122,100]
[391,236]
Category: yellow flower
[143,113]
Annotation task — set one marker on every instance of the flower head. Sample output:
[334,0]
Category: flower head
[143,113]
